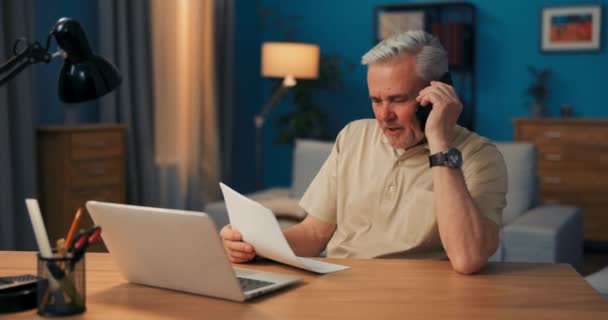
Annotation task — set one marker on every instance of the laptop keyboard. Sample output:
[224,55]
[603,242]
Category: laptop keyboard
[251,284]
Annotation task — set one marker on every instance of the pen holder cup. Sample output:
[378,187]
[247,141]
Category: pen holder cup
[61,289]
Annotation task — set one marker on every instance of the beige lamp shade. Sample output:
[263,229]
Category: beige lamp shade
[283,59]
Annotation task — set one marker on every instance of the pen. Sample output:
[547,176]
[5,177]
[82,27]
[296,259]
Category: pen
[64,282]
[72,231]
[61,247]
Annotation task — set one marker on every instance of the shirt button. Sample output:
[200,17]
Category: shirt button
[391,188]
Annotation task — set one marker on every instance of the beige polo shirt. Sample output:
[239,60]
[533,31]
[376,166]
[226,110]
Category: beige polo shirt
[381,198]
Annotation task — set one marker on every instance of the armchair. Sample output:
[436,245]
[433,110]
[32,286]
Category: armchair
[532,232]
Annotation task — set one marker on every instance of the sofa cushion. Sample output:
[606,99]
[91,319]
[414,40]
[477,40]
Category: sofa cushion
[520,160]
[279,201]
[308,157]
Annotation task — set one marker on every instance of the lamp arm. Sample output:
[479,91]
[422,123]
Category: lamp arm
[33,53]
[268,106]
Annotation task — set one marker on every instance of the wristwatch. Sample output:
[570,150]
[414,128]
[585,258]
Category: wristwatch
[450,158]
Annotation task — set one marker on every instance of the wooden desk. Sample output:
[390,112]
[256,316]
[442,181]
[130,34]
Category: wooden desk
[372,289]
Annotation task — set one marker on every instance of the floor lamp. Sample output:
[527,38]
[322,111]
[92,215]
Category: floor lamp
[290,61]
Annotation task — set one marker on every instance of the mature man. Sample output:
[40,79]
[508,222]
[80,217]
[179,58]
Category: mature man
[390,189]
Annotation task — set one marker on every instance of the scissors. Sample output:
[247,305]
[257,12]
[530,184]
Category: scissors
[81,242]
[84,238]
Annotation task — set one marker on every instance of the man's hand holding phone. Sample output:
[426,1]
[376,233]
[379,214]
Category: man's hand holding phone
[237,250]
[441,120]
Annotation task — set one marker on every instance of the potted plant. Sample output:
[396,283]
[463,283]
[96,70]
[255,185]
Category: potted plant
[538,90]
[308,120]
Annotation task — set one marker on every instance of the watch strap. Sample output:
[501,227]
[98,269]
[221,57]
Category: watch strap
[437,159]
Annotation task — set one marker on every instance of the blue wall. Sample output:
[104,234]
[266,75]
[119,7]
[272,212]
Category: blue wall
[507,41]
[248,93]
[508,36]
[50,109]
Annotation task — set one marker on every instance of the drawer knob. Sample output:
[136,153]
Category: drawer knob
[553,134]
[553,180]
[553,157]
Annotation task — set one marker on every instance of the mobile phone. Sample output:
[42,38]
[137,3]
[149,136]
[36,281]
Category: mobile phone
[422,112]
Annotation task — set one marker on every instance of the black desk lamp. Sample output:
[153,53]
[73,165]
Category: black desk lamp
[84,75]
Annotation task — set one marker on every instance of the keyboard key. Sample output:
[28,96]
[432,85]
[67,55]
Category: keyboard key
[252,284]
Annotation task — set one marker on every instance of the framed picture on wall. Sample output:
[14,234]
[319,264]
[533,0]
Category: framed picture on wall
[390,22]
[572,28]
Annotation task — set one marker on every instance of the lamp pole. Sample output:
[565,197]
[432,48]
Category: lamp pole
[259,120]
[287,60]
[259,156]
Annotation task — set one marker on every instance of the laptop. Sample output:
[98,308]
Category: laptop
[179,250]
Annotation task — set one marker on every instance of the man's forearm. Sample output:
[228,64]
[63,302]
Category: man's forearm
[468,237]
[309,238]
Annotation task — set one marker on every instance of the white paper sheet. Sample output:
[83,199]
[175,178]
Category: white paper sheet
[260,228]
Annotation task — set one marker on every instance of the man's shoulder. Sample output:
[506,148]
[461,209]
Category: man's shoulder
[471,142]
[359,135]
[361,125]
[362,129]
[476,149]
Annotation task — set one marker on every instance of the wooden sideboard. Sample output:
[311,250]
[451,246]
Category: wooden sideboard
[77,164]
[572,166]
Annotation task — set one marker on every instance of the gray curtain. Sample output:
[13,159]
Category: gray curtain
[224,39]
[124,36]
[17,138]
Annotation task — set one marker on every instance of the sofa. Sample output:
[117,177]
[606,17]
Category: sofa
[308,157]
[529,232]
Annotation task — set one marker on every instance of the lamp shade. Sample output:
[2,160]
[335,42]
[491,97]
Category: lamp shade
[282,59]
[84,75]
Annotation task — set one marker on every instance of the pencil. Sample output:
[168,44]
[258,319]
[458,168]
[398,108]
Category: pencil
[70,236]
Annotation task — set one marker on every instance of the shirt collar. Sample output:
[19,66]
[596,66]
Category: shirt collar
[400,152]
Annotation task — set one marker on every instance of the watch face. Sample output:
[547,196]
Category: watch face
[454,158]
[450,158]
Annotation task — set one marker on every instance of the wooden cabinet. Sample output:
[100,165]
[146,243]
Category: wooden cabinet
[572,166]
[77,164]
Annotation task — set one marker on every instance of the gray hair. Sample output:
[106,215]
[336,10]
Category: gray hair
[431,58]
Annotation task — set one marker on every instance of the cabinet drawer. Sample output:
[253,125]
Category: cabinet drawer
[96,172]
[96,144]
[78,198]
[111,193]
[557,134]
[575,198]
[552,180]
[575,157]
